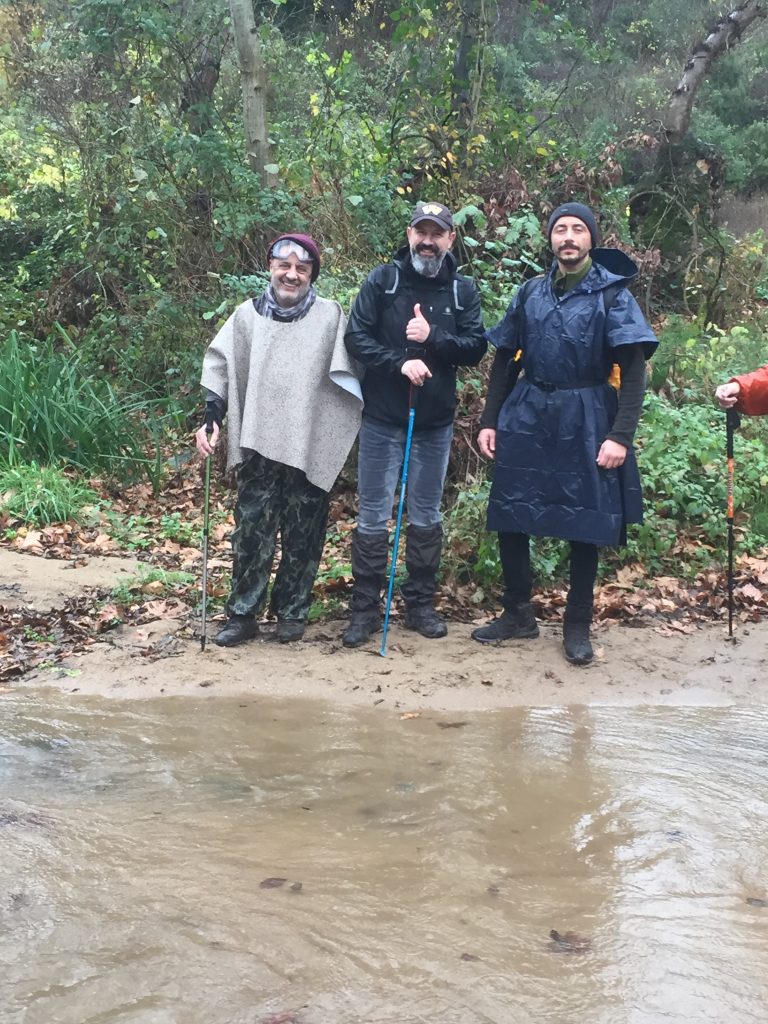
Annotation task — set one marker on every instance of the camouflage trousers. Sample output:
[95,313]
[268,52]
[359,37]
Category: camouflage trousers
[272,497]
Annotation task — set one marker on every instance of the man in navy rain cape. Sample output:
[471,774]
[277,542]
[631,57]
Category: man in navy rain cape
[560,433]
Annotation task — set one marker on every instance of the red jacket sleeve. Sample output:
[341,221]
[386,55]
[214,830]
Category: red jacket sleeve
[753,396]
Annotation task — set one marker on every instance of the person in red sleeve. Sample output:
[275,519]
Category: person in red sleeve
[748,393]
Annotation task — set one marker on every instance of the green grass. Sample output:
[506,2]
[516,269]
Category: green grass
[133,589]
[53,412]
[41,495]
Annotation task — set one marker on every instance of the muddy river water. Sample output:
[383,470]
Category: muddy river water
[219,862]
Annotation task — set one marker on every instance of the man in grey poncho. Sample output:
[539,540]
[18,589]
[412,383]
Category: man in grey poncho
[280,372]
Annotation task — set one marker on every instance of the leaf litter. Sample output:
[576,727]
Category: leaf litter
[162,530]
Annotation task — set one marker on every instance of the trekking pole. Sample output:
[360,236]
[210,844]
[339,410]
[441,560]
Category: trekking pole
[206,522]
[398,524]
[732,422]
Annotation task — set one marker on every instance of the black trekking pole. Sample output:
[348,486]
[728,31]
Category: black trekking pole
[396,543]
[206,522]
[732,422]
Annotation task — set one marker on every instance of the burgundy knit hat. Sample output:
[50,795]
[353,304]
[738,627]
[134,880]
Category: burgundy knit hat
[308,243]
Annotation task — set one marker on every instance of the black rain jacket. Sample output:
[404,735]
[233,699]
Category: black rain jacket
[375,336]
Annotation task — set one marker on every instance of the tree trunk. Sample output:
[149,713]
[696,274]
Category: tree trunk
[254,83]
[673,205]
[722,37]
[469,62]
[197,92]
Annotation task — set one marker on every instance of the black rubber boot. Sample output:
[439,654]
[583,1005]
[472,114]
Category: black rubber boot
[362,625]
[424,619]
[237,630]
[423,547]
[576,623]
[517,623]
[369,569]
[289,630]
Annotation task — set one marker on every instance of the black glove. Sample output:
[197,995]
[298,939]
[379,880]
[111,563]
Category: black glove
[213,414]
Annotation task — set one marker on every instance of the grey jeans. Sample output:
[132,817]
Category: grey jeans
[379,467]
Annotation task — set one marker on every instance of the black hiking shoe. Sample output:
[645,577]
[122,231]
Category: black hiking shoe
[576,645]
[516,624]
[423,618]
[289,630]
[362,625]
[237,630]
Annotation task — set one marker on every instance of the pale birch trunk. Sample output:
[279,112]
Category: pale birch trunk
[723,36]
[254,84]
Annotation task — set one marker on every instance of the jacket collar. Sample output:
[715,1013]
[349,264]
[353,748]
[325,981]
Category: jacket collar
[609,266]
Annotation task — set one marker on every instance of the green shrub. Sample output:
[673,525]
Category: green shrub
[41,495]
[52,412]
[692,360]
[682,461]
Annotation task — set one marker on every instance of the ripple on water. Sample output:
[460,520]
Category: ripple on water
[208,862]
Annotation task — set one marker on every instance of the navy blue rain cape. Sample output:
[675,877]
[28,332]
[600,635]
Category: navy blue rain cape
[550,428]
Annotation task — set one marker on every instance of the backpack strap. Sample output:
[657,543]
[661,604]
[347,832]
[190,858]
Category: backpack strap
[395,280]
[525,290]
[391,282]
[610,294]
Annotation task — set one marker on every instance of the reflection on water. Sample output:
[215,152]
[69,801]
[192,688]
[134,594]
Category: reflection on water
[424,867]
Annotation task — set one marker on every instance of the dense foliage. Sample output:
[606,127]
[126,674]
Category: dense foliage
[132,222]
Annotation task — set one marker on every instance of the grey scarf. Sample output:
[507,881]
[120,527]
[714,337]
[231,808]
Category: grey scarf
[268,306]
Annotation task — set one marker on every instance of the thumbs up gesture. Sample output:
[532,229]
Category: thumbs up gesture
[417,329]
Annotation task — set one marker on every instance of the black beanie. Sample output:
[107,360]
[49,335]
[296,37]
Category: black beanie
[575,210]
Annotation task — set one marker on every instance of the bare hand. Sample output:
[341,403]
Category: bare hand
[205,445]
[486,442]
[728,394]
[611,455]
[417,329]
[416,371]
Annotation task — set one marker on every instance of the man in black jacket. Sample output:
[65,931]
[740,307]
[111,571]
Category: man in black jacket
[414,321]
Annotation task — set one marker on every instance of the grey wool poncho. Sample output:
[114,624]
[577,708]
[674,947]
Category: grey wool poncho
[291,389]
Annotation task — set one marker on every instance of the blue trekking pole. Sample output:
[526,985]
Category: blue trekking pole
[398,524]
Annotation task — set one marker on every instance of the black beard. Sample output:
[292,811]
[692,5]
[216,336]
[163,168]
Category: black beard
[427,266]
[571,260]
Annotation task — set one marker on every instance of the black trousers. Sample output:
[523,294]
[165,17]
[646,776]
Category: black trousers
[514,549]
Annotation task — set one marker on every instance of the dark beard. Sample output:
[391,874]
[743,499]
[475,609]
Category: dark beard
[571,260]
[427,266]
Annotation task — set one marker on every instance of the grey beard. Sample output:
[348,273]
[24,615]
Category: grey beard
[427,266]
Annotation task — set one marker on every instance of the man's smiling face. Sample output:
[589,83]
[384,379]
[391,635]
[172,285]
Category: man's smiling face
[429,242]
[290,278]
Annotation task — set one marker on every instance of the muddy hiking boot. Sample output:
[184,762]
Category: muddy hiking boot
[518,623]
[576,623]
[289,630]
[369,569]
[422,618]
[237,630]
